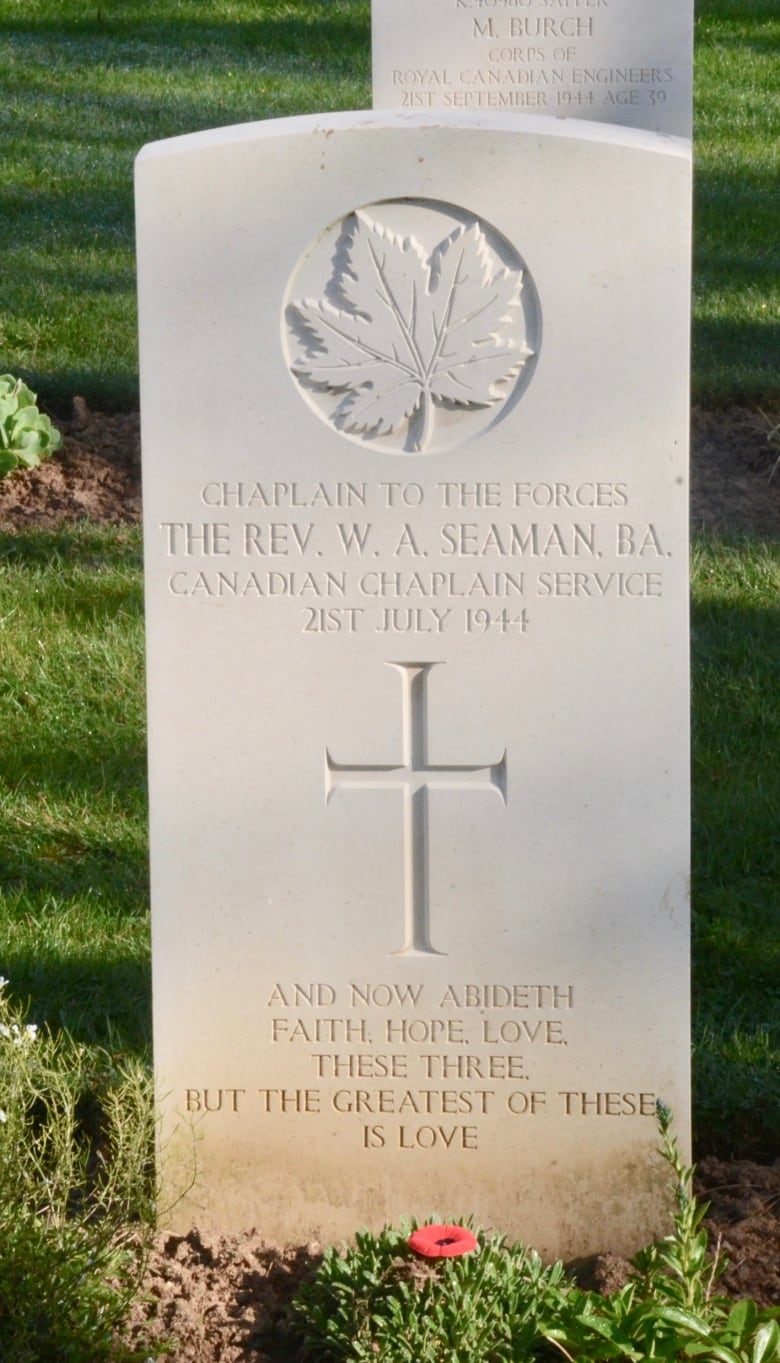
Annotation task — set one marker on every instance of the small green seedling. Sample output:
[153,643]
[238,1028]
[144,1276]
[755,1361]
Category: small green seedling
[26,435]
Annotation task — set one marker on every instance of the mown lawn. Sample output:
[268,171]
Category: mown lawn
[85,85]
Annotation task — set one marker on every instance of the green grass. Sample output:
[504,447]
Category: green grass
[73,860]
[736,739]
[84,87]
[737,200]
[85,83]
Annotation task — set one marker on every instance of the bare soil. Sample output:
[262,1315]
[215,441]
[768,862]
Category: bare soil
[224,1299]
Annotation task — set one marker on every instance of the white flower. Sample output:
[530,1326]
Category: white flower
[3,982]
[3,1117]
[15,1034]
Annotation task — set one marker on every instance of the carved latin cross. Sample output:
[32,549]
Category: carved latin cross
[414,776]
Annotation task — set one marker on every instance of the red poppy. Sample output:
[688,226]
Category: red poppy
[442,1242]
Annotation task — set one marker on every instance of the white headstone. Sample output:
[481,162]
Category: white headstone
[628,62]
[414,427]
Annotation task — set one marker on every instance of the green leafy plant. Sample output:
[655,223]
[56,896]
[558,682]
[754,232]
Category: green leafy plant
[499,1304]
[70,1179]
[376,1300]
[669,1308]
[680,1270]
[26,434]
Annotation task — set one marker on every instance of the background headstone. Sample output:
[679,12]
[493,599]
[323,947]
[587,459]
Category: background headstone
[611,61]
[414,430]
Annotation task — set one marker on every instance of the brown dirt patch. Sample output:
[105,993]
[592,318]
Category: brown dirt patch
[220,1300]
[735,472]
[95,475]
[224,1300]
[744,1216]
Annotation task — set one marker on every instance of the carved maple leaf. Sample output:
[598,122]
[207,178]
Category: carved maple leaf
[414,331]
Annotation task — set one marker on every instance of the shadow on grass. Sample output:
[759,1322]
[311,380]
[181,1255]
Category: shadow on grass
[99,1002]
[74,929]
[744,11]
[736,850]
[735,361]
[106,390]
[750,249]
[74,925]
[734,356]
[321,33]
[736,1087]
[92,574]
[84,545]
[71,864]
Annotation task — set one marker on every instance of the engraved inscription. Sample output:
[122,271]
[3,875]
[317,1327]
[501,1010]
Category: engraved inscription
[487,522]
[612,61]
[414,776]
[369,1063]
[282,560]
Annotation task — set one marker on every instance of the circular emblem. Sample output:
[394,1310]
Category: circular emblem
[411,326]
